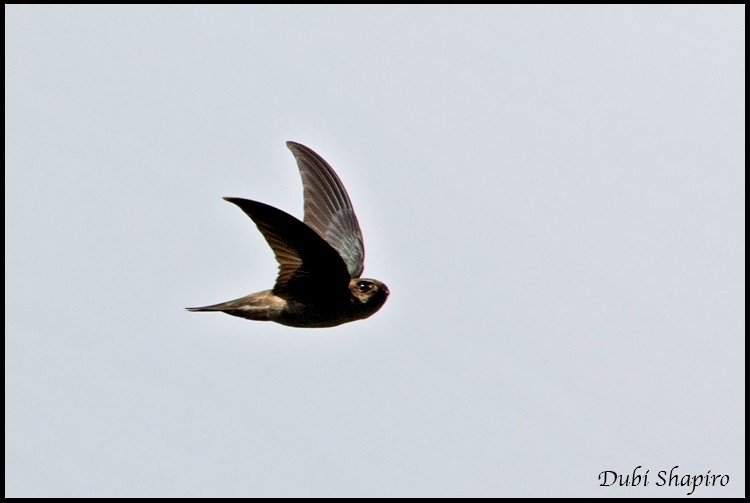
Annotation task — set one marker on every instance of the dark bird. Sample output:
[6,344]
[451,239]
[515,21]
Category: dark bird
[320,260]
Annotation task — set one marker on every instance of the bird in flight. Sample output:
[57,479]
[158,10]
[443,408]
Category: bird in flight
[320,260]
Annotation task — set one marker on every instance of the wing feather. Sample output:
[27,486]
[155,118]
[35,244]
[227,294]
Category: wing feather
[328,209]
[308,265]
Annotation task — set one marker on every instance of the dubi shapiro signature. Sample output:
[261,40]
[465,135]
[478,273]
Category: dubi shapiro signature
[664,478]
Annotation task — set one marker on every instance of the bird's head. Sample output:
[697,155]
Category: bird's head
[368,295]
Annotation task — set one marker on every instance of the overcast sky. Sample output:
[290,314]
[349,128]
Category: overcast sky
[555,197]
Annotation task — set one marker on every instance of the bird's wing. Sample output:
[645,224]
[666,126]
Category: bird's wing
[308,266]
[328,210]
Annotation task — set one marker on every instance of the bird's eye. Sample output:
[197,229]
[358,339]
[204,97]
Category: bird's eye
[364,286]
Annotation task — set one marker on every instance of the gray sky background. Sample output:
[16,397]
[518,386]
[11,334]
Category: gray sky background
[554,195]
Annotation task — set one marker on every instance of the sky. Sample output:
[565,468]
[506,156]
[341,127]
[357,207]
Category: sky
[554,195]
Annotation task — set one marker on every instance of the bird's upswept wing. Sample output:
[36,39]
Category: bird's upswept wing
[328,210]
[308,265]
